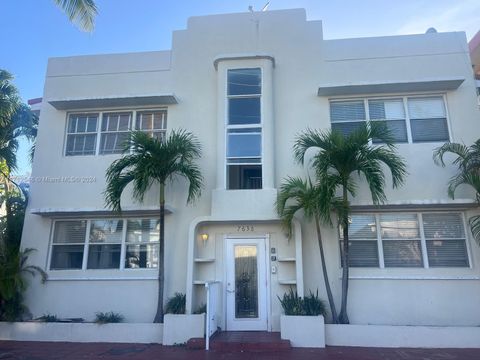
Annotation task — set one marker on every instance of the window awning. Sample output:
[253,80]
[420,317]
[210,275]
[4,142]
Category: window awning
[59,213]
[91,103]
[390,87]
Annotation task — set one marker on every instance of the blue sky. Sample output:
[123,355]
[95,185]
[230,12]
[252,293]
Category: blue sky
[37,29]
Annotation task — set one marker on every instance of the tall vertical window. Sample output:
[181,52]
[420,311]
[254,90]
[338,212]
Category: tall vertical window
[115,130]
[244,129]
[152,122]
[81,134]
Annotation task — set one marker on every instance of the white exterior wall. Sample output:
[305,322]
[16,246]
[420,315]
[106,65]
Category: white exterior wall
[303,61]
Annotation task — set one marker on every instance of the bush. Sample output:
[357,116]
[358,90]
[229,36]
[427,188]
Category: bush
[176,304]
[48,318]
[108,317]
[295,305]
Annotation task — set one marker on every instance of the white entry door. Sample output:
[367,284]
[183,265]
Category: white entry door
[246,285]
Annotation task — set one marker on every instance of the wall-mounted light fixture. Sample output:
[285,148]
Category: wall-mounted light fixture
[204,237]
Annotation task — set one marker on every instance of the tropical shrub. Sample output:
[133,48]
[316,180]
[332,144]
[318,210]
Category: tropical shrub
[201,309]
[108,317]
[176,304]
[310,305]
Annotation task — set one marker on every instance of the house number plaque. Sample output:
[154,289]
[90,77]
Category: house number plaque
[245,228]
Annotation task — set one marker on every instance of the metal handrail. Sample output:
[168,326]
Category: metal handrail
[211,316]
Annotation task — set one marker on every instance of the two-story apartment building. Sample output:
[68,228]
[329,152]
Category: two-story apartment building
[245,84]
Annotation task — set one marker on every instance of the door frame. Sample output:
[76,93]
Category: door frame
[268,291]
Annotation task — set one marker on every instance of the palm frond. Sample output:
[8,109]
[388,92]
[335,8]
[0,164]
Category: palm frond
[80,12]
[474,223]
[460,150]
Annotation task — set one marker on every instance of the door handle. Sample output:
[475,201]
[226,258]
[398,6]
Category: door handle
[230,291]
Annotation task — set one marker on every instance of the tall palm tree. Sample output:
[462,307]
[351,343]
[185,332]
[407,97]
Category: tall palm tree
[148,161]
[468,172]
[297,195]
[9,99]
[337,163]
[80,12]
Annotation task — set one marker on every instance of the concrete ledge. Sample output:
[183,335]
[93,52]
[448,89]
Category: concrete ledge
[303,331]
[181,328]
[82,332]
[402,336]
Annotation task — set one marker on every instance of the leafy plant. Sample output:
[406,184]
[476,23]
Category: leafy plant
[310,305]
[201,309]
[176,304]
[48,318]
[108,317]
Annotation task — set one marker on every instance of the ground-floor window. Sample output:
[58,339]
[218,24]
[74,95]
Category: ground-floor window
[105,244]
[386,240]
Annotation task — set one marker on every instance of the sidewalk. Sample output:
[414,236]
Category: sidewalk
[10,350]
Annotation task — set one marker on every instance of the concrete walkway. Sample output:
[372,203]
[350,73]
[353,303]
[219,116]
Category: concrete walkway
[10,350]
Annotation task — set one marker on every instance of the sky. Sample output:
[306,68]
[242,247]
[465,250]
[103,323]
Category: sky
[34,30]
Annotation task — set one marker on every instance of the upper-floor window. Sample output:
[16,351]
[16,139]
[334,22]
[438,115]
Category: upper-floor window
[85,137]
[244,129]
[409,119]
[407,240]
[100,243]
[81,134]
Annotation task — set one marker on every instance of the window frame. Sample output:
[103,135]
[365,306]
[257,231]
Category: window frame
[107,132]
[404,97]
[100,112]
[86,245]
[228,127]
[67,133]
[423,241]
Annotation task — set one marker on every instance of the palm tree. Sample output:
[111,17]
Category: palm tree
[80,12]
[295,195]
[338,160]
[9,99]
[468,172]
[148,161]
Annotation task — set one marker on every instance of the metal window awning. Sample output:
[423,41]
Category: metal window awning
[59,213]
[390,87]
[118,101]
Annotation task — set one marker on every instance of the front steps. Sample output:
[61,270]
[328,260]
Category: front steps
[238,341]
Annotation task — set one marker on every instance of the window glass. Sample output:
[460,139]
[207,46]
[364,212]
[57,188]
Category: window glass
[152,122]
[363,241]
[428,119]
[244,111]
[115,132]
[401,240]
[106,231]
[67,247]
[391,113]
[345,111]
[445,238]
[143,237]
[244,177]
[244,81]
[81,134]
[104,256]
[244,144]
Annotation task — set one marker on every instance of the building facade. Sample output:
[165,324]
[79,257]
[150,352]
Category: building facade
[245,85]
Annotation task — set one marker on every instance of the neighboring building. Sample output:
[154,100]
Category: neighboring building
[245,84]
[35,105]
[474,46]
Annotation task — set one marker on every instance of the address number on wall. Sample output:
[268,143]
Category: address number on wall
[245,228]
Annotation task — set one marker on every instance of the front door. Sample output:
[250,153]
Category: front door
[246,285]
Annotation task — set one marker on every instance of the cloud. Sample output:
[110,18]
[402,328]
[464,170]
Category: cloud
[461,16]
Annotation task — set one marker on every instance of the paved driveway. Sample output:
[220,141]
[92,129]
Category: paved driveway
[10,350]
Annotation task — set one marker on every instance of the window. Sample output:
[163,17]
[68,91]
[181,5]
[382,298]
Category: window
[143,238]
[363,241]
[428,119]
[409,119]
[244,129]
[81,134]
[83,131]
[115,130]
[401,238]
[68,244]
[107,240]
[153,122]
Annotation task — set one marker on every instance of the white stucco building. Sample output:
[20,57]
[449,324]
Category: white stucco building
[245,85]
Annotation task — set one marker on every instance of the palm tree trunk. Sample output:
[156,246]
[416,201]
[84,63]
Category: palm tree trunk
[161,258]
[343,317]
[325,274]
